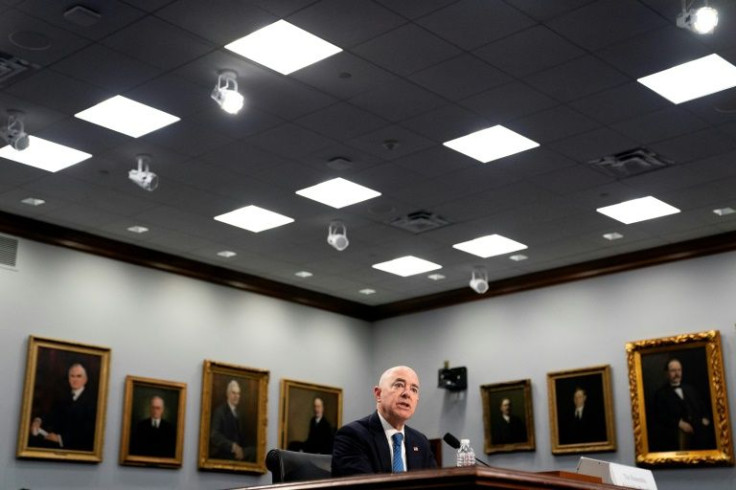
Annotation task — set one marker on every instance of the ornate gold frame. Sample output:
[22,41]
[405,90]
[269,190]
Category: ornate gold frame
[568,381]
[257,397]
[519,390]
[296,397]
[132,383]
[682,345]
[59,355]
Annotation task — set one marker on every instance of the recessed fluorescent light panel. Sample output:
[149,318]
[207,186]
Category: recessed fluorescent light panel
[283,47]
[127,116]
[724,211]
[490,246]
[338,193]
[367,291]
[138,229]
[518,257]
[491,144]
[613,236]
[637,210]
[228,254]
[253,218]
[303,274]
[407,266]
[45,155]
[693,79]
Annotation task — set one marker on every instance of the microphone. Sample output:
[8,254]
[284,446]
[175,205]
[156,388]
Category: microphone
[453,442]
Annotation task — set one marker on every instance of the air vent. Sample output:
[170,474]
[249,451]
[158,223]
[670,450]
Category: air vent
[13,69]
[8,251]
[631,162]
[419,222]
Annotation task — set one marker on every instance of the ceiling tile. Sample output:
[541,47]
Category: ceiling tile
[18,25]
[58,92]
[593,145]
[660,125]
[218,22]
[543,10]
[460,77]
[341,121]
[346,24]
[289,140]
[406,49]
[473,23]
[397,100]
[508,102]
[390,142]
[552,124]
[529,51]
[607,106]
[104,67]
[577,78]
[175,47]
[342,75]
[605,22]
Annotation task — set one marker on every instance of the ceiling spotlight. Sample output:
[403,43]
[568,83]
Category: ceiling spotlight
[479,281]
[143,175]
[226,92]
[337,235]
[702,20]
[14,133]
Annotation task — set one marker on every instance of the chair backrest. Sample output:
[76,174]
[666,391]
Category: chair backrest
[291,466]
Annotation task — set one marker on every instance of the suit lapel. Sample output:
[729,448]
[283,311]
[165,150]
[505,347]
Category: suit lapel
[381,443]
[414,456]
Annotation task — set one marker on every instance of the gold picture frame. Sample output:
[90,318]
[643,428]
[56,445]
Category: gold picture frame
[581,416]
[232,428]
[515,432]
[695,362]
[298,428]
[64,396]
[154,412]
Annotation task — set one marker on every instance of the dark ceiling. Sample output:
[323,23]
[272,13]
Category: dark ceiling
[416,72]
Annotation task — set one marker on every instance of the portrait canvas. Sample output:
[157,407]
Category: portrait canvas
[309,415]
[581,410]
[232,435]
[153,422]
[679,401]
[508,418]
[64,396]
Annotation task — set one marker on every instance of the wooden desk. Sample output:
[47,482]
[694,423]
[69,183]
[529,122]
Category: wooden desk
[455,478]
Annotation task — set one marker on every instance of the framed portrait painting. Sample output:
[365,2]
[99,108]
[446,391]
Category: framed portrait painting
[581,410]
[232,427]
[309,415]
[508,416]
[679,401]
[153,422]
[64,396]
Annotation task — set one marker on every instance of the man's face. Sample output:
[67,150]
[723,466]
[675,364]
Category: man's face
[505,406]
[77,377]
[233,395]
[579,398]
[318,408]
[397,395]
[157,408]
[674,372]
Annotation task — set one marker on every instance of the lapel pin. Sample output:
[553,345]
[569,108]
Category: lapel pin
[416,449]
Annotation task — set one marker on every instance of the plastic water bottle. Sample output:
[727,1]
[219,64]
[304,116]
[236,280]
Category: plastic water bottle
[465,455]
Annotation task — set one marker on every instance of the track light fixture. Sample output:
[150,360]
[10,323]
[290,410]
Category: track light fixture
[226,92]
[702,20]
[143,175]
[479,280]
[14,132]
[337,235]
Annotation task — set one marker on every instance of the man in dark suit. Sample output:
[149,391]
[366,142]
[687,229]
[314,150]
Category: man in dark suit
[580,424]
[154,435]
[381,442]
[681,419]
[509,428]
[321,435]
[227,437]
[71,425]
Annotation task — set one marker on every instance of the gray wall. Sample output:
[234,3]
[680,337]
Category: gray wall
[160,325]
[570,326]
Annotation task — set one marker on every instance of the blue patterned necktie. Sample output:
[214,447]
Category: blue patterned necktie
[398,464]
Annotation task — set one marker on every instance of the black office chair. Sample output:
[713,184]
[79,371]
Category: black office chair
[291,466]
